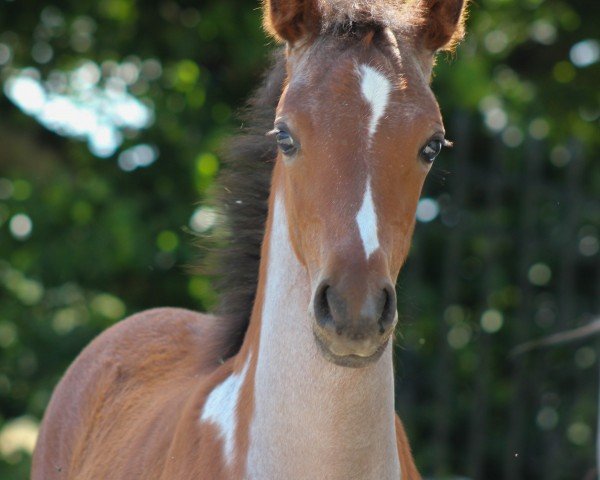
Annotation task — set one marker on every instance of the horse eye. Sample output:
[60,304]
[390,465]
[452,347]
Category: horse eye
[432,150]
[285,142]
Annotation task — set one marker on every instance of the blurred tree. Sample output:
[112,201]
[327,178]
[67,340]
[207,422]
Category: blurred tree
[111,119]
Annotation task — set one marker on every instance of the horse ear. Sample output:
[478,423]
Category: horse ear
[441,24]
[291,20]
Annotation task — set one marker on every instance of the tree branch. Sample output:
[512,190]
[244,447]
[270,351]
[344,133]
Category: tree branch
[586,331]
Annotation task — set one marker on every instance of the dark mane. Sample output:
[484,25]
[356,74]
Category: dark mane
[242,196]
[338,16]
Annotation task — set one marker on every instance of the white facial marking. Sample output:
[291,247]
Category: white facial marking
[220,408]
[366,219]
[375,88]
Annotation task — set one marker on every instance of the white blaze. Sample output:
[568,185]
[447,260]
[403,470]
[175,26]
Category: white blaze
[220,408]
[375,88]
[366,219]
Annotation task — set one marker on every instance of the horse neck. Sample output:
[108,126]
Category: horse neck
[308,414]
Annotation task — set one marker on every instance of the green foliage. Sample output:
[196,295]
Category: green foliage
[512,254]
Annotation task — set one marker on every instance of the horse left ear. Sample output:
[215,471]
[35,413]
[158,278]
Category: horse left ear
[291,20]
[441,24]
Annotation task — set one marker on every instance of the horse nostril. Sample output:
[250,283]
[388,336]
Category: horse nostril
[388,313]
[335,319]
[321,305]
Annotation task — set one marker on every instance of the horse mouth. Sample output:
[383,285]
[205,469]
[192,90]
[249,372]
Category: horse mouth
[348,360]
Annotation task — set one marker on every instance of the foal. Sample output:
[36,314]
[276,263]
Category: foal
[306,387]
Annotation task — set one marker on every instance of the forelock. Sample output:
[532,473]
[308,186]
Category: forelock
[342,16]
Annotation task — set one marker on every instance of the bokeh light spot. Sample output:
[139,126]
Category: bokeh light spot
[547,418]
[585,357]
[454,314]
[495,41]
[5,54]
[542,31]
[65,320]
[167,241]
[491,321]
[579,434]
[19,434]
[29,292]
[108,306]
[207,164]
[20,226]
[560,156]
[589,246]
[496,119]
[200,288]
[22,189]
[203,219]
[459,336]
[8,334]
[6,188]
[585,53]
[539,128]
[539,274]
[42,52]
[139,156]
[512,136]
[27,93]
[187,74]
[427,210]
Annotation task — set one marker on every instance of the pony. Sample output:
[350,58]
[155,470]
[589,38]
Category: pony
[292,378]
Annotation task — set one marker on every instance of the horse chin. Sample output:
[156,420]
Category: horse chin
[350,361]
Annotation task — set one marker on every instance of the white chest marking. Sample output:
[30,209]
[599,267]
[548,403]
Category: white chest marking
[220,408]
[283,325]
[375,88]
[366,219]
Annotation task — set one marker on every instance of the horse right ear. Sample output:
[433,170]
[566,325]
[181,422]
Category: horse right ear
[441,23]
[291,20]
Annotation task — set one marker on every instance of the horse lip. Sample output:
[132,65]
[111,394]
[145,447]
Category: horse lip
[349,360]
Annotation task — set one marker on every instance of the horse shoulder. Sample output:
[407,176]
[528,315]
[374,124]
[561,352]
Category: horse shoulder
[130,382]
[407,462]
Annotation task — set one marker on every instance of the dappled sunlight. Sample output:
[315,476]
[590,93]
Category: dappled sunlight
[79,107]
[18,435]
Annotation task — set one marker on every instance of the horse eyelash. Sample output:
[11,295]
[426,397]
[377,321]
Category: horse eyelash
[270,133]
[447,143]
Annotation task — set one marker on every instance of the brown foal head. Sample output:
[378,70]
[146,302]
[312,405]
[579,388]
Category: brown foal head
[357,128]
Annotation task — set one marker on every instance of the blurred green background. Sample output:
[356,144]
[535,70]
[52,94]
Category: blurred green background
[111,116]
